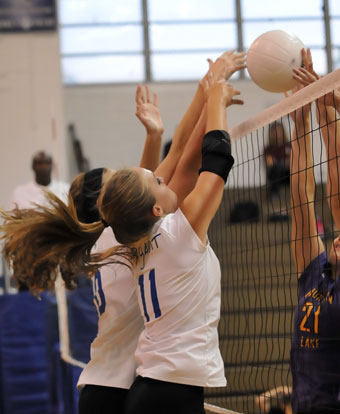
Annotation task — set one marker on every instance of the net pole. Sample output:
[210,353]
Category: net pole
[64,338]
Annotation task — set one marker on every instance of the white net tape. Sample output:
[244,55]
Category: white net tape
[287,105]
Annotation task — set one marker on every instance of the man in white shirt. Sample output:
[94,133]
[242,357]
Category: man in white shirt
[24,196]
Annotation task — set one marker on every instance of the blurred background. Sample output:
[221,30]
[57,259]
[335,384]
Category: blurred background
[78,62]
[68,76]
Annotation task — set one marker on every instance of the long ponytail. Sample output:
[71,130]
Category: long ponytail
[38,241]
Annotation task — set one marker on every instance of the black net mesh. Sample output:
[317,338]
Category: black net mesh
[251,235]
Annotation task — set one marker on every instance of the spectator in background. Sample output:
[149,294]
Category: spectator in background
[166,148]
[24,196]
[277,157]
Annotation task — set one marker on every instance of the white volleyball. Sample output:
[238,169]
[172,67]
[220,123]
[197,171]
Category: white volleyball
[271,58]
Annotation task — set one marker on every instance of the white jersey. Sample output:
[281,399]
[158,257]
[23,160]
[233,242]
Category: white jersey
[26,195]
[178,288]
[112,362]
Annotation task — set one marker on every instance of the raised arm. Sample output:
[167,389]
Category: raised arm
[222,68]
[147,112]
[185,176]
[202,203]
[330,130]
[328,119]
[306,245]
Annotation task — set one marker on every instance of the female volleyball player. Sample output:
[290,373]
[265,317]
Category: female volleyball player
[315,352]
[110,372]
[105,380]
[113,398]
[177,274]
[178,284]
[111,369]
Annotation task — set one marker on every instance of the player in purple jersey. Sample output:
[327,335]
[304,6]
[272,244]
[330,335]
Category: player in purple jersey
[315,352]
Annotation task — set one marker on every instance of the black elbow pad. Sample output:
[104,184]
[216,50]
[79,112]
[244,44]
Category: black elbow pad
[216,153]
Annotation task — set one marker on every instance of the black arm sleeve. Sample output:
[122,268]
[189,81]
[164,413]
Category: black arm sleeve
[216,153]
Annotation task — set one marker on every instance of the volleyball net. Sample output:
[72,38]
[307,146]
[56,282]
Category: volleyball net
[251,237]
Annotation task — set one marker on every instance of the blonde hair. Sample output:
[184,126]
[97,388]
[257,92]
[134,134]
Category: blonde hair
[38,241]
[76,190]
[126,205]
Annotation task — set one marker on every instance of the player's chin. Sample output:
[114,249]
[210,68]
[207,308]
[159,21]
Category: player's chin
[174,206]
[334,257]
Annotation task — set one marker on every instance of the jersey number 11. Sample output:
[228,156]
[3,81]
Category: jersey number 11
[153,294]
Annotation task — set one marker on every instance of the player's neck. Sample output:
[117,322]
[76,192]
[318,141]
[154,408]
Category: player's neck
[43,182]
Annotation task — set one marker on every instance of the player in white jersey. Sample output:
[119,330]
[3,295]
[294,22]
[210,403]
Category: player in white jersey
[105,380]
[180,344]
[178,282]
[178,279]
[120,322]
[133,203]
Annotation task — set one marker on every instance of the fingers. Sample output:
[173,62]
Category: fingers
[301,79]
[226,54]
[228,63]
[148,94]
[309,61]
[304,57]
[138,112]
[310,67]
[155,99]
[145,97]
[236,102]
[235,91]
[140,98]
[240,56]
[241,66]
[303,76]
[138,93]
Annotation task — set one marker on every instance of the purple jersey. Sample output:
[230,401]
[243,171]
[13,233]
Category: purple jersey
[315,352]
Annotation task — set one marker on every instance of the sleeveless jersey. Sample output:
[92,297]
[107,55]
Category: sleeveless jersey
[315,352]
[179,294]
[112,362]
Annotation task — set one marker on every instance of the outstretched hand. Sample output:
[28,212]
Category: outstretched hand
[307,75]
[147,110]
[304,75]
[227,64]
[221,88]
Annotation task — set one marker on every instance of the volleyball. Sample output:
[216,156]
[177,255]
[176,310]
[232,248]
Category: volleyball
[271,58]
